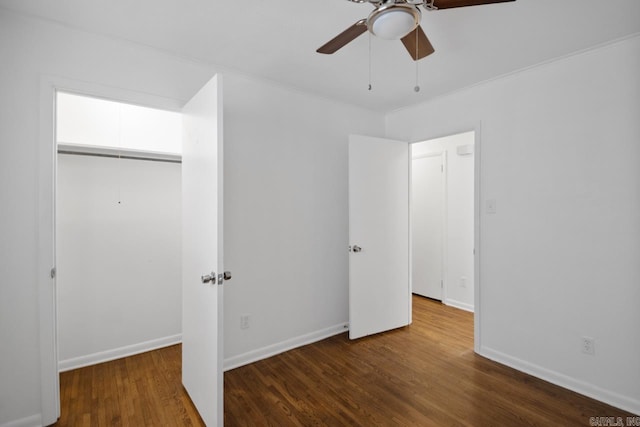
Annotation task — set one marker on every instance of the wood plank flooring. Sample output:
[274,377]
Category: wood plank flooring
[423,375]
[141,390]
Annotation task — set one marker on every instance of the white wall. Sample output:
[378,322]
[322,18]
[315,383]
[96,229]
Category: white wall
[31,49]
[559,259]
[459,232]
[272,148]
[118,257]
[286,216]
[86,120]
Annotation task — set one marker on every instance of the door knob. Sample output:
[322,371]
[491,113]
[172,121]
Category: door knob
[357,248]
[209,278]
[222,277]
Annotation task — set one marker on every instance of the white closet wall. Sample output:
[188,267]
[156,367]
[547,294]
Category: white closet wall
[87,121]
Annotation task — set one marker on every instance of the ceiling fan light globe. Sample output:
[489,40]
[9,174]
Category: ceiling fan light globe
[393,23]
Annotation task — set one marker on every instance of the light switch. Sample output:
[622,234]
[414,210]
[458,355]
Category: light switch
[491,206]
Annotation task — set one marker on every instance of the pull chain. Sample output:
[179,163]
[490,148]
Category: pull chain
[417,86]
[370,87]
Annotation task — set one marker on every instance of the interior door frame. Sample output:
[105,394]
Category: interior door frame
[443,216]
[476,128]
[46,222]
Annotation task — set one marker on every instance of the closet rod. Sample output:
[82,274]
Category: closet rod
[79,150]
[115,156]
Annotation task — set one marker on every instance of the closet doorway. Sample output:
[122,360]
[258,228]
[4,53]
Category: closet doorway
[118,229]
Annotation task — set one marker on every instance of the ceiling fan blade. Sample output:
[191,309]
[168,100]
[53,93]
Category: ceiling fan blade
[417,44]
[344,37]
[449,4]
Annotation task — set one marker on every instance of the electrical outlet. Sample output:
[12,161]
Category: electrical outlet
[463,282]
[244,321]
[588,345]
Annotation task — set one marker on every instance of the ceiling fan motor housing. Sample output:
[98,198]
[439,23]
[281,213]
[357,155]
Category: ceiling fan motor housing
[393,21]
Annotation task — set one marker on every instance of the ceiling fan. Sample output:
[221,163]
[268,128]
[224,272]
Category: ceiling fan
[398,20]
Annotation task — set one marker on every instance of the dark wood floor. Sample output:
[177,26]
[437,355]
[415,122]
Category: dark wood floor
[423,375]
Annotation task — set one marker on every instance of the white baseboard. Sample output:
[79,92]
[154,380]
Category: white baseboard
[614,399]
[458,304]
[117,353]
[32,421]
[271,350]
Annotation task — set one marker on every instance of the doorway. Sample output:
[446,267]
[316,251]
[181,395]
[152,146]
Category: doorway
[442,216]
[47,153]
[205,109]
[380,204]
[118,229]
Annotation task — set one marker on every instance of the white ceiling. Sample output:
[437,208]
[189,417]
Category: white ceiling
[277,39]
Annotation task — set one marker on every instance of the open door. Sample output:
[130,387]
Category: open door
[379,287]
[202,251]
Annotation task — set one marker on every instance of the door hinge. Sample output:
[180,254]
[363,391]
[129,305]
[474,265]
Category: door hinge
[52,273]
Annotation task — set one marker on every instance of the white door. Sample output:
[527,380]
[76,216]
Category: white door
[379,288]
[202,251]
[427,226]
